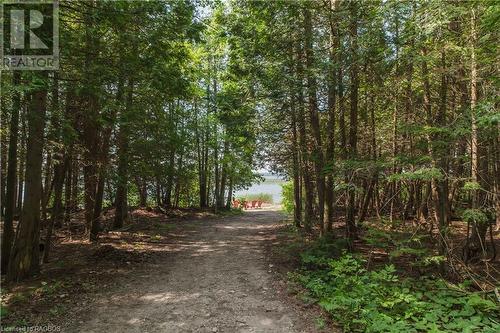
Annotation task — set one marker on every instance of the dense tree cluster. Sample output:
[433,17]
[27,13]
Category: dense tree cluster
[382,108]
[371,108]
[145,109]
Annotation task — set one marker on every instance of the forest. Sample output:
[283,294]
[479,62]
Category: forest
[381,115]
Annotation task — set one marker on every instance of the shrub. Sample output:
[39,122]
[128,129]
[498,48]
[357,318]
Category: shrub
[381,301]
[474,216]
[287,201]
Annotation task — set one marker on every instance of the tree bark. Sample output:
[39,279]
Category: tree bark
[297,197]
[351,231]
[22,158]
[60,166]
[121,205]
[229,199]
[308,186]
[477,240]
[103,157]
[10,193]
[24,259]
[335,60]
[314,118]
[91,126]
[67,186]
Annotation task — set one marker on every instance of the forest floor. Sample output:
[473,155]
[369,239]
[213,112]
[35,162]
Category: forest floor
[196,273]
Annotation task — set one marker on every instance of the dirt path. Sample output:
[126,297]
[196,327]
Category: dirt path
[216,280]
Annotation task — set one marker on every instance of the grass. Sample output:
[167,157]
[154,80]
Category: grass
[264,197]
[320,323]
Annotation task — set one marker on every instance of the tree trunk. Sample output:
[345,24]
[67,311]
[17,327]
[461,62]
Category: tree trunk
[222,190]
[477,240]
[372,181]
[22,158]
[442,162]
[437,153]
[473,102]
[394,186]
[60,165]
[10,193]
[68,187]
[158,192]
[170,180]
[297,197]
[121,189]
[75,176]
[57,210]
[308,186]
[335,60]
[229,199]
[90,111]
[3,157]
[48,185]
[351,231]
[103,157]
[24,259]
[314,118]
[121,204]
[202,177]
[143,191]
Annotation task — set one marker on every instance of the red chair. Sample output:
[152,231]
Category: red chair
[259,204]
[254,203]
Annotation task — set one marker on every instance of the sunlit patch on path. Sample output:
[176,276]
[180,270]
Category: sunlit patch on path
[210,278]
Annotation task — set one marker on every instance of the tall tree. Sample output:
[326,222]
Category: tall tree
[24,259]
[10,193]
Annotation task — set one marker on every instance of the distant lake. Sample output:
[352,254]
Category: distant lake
[271,184]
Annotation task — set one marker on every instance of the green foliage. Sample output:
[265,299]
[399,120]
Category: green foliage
[287,201]
[488,117]
[3,311]
[408,251]
[419,174]
[377,237]
[471,186]
[474,216]
[320,323]
[381,301]
[264,197]
[317,253]
[412,247]
[431,260]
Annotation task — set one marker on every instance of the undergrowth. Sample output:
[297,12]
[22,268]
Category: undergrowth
[264,197]
[379,300]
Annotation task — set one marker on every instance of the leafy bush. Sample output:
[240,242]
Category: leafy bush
[474,216]
[381,301]
[317,254]
[471,186]
[412,246]
[287,200]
